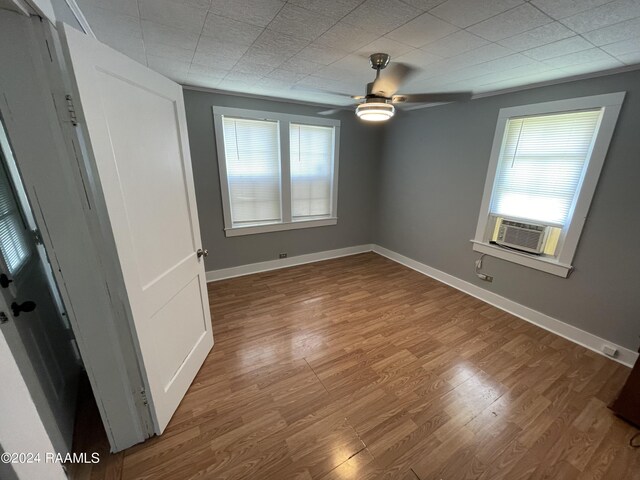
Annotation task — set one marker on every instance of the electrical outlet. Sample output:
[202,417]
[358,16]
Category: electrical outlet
[282,255]
[486,278]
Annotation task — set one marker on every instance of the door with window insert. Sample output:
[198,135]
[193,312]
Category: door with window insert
[32,317]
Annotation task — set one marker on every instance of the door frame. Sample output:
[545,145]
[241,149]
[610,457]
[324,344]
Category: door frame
[40,125]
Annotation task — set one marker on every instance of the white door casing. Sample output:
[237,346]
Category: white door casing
[139,171]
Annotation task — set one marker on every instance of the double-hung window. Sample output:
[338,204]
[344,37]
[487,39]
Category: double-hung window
[545,164]
[277,171]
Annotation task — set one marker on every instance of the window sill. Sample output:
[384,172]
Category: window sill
[539,263]
[279,227]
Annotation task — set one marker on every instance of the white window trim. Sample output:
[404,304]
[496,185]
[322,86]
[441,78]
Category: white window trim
[285,173]
[562,265]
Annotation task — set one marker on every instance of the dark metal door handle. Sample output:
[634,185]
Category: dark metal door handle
[202,253]
[4,280]
[27,306]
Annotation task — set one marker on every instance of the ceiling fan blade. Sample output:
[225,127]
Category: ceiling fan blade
[333,111]
[432,97]
[391,78]
[320,90]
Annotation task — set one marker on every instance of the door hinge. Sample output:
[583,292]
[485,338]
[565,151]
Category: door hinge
[37,236]
[72,110]
[143,395]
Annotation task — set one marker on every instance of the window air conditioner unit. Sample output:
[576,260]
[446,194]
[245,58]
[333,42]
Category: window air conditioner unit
[527,237]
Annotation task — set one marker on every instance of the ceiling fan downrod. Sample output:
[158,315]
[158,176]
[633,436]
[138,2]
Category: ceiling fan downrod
[378,62]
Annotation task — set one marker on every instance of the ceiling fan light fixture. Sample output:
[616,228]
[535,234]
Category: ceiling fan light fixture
[375,111]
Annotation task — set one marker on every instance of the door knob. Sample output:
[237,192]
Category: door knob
[27,306]
[202,253]
[4,280]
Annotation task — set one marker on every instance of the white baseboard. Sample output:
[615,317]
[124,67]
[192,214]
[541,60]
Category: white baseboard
[588,340]
[224,273]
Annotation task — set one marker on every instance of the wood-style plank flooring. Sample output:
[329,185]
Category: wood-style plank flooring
[360,368]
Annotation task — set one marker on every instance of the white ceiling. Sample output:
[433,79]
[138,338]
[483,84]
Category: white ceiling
[273,47]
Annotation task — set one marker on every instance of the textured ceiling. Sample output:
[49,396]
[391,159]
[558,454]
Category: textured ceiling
[277,48]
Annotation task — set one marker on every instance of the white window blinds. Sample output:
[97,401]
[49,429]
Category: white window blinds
[13,233]
[541,165]
[252,151]
[311,151]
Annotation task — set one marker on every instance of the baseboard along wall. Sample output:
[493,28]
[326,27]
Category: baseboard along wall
[224,273]
[588,340]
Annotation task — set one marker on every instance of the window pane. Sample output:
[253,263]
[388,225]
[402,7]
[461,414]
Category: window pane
[13,234]
[252,150]
[311,153]
[541,165]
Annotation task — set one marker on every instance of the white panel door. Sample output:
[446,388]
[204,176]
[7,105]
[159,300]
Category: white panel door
[140,165]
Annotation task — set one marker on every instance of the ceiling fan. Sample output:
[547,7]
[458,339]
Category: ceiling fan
[378,104]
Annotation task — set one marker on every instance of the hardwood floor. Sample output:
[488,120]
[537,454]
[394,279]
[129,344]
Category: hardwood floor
[360,368]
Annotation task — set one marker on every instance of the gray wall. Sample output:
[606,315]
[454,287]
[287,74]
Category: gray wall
[433,171]
[358,173]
